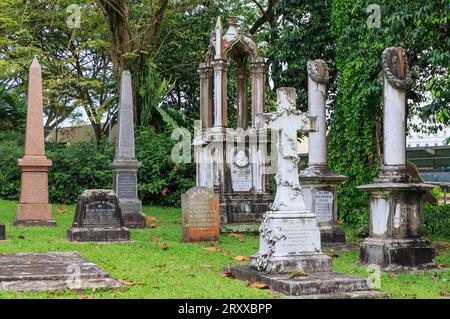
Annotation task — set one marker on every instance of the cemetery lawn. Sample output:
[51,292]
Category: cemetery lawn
[157,265]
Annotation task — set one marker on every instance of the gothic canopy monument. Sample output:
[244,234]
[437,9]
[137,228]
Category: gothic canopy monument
[230,161]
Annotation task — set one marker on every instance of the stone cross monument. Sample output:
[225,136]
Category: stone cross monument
[318,180]
[396,198]
[125,166]
[289,233]
[33,208]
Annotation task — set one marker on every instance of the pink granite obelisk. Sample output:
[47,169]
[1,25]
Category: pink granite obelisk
[33,208]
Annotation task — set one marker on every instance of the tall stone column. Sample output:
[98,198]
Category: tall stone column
[318,180]
[125,166]
[258,74]
[242,98]
[396,239]
[206,95]
[33,208]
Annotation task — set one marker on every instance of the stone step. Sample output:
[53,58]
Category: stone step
[320,283]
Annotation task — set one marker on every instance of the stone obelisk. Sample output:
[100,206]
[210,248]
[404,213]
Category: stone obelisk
[33,208]
[396,239]
[125,166]
[318,180]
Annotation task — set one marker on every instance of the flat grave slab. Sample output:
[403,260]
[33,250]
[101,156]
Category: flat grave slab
[51,271]
[319,285]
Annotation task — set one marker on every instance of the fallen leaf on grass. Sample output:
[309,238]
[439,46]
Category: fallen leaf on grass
[213,249]
[84,297]
[444,294]
[165,247]
[152,226]
[241,258]
[236,235]
[241,241]
[298,273]
[332,255]
[151,219]
[62,209]
[257,285]
[127,282]
[227,274]
[156,238]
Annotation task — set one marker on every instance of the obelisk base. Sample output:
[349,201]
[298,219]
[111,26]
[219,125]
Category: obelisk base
[34,215]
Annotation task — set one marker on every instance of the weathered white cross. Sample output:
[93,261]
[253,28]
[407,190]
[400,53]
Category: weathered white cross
[286,122]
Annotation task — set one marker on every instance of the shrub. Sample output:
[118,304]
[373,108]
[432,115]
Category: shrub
[437,221]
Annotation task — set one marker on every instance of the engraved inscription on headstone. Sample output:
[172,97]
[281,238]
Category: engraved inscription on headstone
[126,185]
[324,206]
[297,240]
[101,214]
[200,207]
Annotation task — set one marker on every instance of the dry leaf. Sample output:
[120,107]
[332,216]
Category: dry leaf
[241,258]
[165,246]
[62,209]
[258,285]
[127,282]
[298,273]
[227,274]
[84,297]
[444,294]
[213,249]
[151,219]
[94,290]
[332,255]
[241,241]
[156,238]
[152,226]
[236,235]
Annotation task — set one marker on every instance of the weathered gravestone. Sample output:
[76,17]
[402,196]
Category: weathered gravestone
[98,218]
[200,207]
[33,208]
[125,166]
[396,239]
[289,233]
[51,271]
[2,232]
[318,180]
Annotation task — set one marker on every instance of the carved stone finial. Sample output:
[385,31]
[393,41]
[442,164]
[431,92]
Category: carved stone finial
[396,68]
[318,71]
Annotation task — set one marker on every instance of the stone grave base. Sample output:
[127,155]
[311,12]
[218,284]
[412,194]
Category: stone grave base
[397,254]
[134,220]
[2,232]
[331,233]
[314,285]
[98,234]
[287,264]
[32,223]
[50,271]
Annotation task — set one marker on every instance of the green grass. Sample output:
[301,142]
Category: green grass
[183,270]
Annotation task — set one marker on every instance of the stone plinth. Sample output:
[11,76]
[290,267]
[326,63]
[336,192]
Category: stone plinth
[98,217]
[319,192]
[312,285]
[396,241]
[2,232]
[51,271]
[125,166]
[200,206]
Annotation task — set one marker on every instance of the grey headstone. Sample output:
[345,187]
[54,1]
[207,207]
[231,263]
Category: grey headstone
[98,217]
